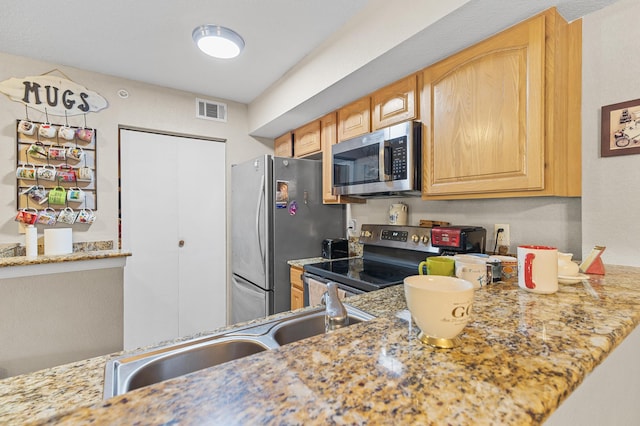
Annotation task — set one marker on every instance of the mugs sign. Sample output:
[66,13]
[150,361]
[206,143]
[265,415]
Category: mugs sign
[58,95]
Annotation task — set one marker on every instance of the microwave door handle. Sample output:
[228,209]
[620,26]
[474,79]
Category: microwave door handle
[385,161]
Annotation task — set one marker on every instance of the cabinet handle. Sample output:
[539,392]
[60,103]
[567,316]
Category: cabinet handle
[181,243]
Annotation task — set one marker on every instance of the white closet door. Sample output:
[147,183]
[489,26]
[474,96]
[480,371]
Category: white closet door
[173,221]
[202,259]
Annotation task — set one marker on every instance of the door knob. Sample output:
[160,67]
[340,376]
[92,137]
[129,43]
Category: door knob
[181,243]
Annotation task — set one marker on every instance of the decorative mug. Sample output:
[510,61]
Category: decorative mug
[84,173]
[75,153]
[26,127]
[538,268]
[46,172]
[86,216]
[37,193]
[57,152]
[58,196]
[26,171]
[47,130]
[66,174]
[75,195]
[27,216]
[85,134]
[37,150]
[48,217]
[66,132]
[67,215]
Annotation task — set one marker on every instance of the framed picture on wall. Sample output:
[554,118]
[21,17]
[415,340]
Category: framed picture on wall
[620,129]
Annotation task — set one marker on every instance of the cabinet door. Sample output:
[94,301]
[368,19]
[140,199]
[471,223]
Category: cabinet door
[297,288]
[394,103]
[306,140]
[283,146]
[483,111]
[329,137]
[354,119]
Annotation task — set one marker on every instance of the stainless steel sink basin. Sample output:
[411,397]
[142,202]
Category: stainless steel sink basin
[134,371]
[302,328]
[189,359]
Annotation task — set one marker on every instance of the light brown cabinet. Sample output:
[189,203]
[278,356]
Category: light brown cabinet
[283,145]
[502,118]
[354,119]
[329,137]
[395,103]
[297,288]
[306,140]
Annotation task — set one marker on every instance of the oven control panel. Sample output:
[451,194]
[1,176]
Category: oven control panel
[396,236]
[393,235]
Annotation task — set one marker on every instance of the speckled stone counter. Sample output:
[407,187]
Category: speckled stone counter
[521,356]
[60,258]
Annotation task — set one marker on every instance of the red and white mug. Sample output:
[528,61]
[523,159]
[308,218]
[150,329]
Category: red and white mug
[538,268]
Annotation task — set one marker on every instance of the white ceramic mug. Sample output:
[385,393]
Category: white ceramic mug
[47,130]
[473,271]
[440,306]
[26,127]
[67,132]
[538,268]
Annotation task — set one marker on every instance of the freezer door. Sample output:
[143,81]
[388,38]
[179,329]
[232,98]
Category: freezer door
[250,183]
[248,302]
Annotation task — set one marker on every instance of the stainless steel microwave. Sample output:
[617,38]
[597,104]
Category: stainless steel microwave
[386,162]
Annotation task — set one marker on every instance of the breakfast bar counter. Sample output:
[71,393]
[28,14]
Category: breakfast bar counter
[521,356]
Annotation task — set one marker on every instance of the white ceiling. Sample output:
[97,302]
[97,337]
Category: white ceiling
[150,41]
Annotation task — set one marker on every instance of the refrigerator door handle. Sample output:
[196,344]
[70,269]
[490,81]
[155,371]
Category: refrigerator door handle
[260,200]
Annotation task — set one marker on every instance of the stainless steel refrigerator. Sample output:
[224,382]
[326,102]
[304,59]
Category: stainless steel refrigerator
[276,215]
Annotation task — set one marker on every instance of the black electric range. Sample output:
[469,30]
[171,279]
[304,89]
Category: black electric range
[390,254]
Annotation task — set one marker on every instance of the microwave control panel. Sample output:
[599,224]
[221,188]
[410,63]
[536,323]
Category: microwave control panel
[398,158]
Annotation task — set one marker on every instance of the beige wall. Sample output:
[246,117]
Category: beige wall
[610,201]
[148,106]
[53,319]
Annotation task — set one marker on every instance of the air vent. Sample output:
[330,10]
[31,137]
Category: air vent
[210,110]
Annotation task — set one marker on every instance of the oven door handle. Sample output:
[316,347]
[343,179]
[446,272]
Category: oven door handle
[385,161]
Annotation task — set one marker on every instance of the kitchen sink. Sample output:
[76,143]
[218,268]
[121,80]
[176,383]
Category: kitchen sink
[302,328]
[134,371]
[189,359]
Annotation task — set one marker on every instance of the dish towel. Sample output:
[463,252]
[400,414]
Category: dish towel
[317,289]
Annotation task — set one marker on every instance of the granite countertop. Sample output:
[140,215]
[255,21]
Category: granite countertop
[521,356]
[72,257]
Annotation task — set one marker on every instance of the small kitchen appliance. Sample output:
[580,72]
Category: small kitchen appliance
[459,239]
[335,248]
[390,254]
[383,163]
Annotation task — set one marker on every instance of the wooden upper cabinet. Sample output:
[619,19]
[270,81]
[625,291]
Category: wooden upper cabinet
[394,103]
[329,137]
[354,119]
[306,140]
[497,115]
[283,146]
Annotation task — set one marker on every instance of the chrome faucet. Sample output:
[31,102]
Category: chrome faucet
[336,314]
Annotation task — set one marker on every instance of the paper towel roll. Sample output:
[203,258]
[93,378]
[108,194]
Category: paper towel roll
[31,241]
[57,241]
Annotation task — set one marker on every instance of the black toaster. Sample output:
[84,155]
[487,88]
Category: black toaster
[335,248]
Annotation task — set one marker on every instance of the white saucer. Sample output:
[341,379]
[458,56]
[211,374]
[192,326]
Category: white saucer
[571,279]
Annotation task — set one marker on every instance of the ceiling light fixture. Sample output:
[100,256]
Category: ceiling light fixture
[217,41]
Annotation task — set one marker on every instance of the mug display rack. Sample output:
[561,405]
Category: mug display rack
[55,167]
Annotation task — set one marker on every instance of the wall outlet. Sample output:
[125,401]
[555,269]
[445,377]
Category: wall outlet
[504,237]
